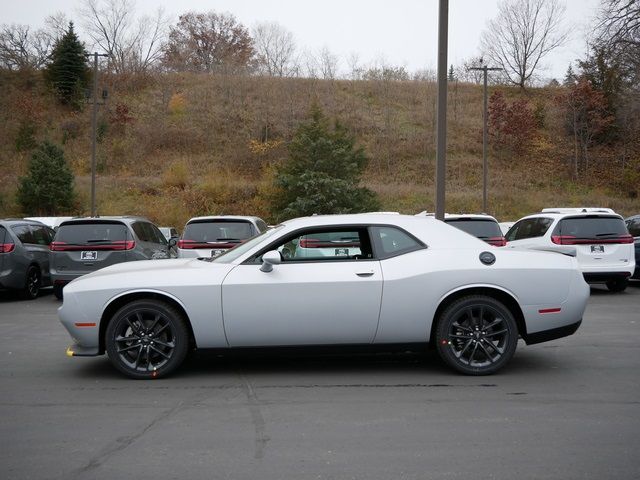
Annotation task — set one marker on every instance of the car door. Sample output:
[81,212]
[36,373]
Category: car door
[332,297]
[41,238]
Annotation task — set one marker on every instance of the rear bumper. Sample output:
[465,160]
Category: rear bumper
[552,334]
[601,277]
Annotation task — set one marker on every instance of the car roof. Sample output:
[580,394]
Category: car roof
[459,216]
[574,213]
[224,217]
[123,218]
[22,221]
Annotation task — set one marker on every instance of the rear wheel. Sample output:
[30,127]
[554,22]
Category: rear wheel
[476,335]
[617,284]
[31,283]
[57,291]
[147,339]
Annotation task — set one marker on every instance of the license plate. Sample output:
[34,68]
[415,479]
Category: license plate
[88,255]
[342,252]
[215,253]
[597,248]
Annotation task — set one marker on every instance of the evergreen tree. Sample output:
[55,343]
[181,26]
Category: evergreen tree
[322,173]
[48,187]
[452,74]
[68,72]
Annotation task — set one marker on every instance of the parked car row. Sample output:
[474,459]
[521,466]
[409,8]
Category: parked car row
[34,255]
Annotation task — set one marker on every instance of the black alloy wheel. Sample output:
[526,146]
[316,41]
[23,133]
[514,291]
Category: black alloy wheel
[147,339]
[31,283]
[476,335]
[617,284]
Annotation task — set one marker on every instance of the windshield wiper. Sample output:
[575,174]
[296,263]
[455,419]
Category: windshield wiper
[99,240]
[230,240]
[606,234]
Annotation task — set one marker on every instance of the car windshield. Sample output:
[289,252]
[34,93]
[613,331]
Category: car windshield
[91,233]
[217,230]
[479,228]
[239,250]
[593,227]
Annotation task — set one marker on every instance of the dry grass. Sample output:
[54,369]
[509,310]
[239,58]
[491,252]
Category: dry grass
[200,144]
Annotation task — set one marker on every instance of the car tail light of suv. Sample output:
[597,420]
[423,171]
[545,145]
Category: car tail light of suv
[497,241]
[7,247]
[572,240]
[115,245]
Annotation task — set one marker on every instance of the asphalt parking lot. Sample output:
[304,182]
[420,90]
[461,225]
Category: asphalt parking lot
[567,409]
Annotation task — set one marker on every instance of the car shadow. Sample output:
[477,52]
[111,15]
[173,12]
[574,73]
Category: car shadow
[358,368]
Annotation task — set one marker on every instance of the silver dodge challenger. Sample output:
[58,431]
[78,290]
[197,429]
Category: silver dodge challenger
[367,280]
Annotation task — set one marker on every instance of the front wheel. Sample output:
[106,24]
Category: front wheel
[476,335]
[147,339]
[617,285]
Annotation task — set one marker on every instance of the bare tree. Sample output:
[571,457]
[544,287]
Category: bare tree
[328,63]
[133,44]
[618,33]
[275,49]
[208,42]
[522,34]
[21,48]
[55,25]
[464,72]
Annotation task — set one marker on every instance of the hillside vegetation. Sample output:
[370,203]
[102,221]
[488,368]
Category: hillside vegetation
[172,146]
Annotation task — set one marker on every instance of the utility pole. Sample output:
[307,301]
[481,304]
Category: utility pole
[441,126]
[485,167]
[94,122]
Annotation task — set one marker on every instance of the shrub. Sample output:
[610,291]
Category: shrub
[47,189]
[322,173]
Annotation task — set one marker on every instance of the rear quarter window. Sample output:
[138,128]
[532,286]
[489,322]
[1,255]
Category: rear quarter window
[634,227]
[392,241]
[24,233]
[529,228]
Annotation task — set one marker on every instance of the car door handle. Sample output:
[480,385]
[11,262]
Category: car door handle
[365,274]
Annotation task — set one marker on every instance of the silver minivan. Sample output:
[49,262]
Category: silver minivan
[84,245]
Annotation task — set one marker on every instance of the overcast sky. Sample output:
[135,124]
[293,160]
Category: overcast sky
[399,32]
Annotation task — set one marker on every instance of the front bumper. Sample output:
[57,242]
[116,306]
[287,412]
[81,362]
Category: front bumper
[75,350]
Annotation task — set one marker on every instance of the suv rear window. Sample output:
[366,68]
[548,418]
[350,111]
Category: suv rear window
[591,227]
[218,231]
[92,233]
[479,228]
[147,232]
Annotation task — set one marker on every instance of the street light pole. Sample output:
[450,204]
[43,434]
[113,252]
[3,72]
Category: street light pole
[485,166]
[441,126]
[94,122]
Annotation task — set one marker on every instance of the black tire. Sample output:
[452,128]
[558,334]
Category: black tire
[32,283]
[57,291]
[617,284]
[476,335]
[147,339]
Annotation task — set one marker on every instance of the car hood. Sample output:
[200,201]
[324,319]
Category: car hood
[152,274]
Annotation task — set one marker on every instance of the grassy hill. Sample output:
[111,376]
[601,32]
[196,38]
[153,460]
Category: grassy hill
[178,145]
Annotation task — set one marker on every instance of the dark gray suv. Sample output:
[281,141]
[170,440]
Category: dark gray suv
[84,245]
[24,256]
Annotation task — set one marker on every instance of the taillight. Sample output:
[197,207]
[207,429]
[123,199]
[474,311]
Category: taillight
[563,239]
[7,247]
[571,240]
[497,241]
[192,244]
[57,246]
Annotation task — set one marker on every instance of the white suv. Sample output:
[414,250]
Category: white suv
[604,248]
[211,236]
[480,225]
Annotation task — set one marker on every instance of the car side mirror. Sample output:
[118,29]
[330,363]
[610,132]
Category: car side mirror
[172,242]
[270,259]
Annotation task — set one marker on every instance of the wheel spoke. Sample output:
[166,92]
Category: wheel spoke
[462,327]
[453,335]
[485,351]
[163,344]
[133,327]
[160,352]
[153,325]
[464,349]
[155,334]
[494,347]
[493,324]
[137,362]
[475,349]
[126,339]
[496,333]
[481,317]
[130,347]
